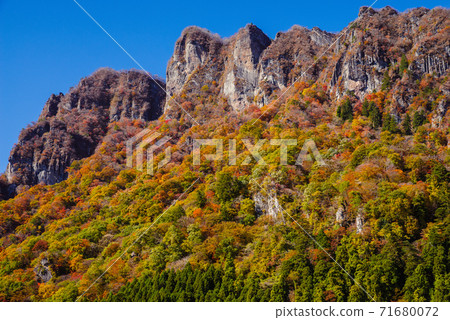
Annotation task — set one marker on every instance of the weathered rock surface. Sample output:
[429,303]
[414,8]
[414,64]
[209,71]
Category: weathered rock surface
[340,215]
[72,125]
[359,222]
[43,272]
[194,62]
[291,56]
[439,113]
[242,75]
[248,67]
[376,41]
[268,205]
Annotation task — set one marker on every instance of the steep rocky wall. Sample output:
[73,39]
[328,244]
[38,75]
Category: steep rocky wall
[375,43]
[249,67]
[72,125]
[195,56]
[242,75]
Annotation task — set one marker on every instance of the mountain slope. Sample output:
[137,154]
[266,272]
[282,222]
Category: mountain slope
[246,69]
[375,107]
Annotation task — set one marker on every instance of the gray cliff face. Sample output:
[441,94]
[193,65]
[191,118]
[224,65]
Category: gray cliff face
[291,57]
[359,223]
[241,77]
[438,116]
[120,95]
[194,62]
[201,58]
[247,67]
[375,42]
[42,271]
[71,126]
[360,73]
[269,205]
[340,215]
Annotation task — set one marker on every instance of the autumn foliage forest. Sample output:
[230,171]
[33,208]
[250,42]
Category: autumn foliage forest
[380,206]
[214,245]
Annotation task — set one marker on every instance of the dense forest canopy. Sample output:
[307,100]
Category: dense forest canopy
[372,224]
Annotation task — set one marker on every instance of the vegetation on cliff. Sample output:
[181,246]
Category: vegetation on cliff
[380,206]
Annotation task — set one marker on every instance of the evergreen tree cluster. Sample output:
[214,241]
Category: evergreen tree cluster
[345,110]
[189,284]
[370,110]
[395,272]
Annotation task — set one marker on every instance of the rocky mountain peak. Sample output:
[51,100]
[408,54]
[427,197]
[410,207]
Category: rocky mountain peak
[249,43]
[375,44]
[72,125]
[247,67]
[366,11]
[201,58]
[241,75]
[51,106]
[320,37]
[196,47]
[388,11]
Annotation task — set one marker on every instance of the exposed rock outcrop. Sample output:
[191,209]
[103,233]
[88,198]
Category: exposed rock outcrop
[248,67]
[72,125]
[359,223]
[268,205]
[376,41]
[439,113]
[195,61]
[242,74]
[340,215]
[43,272]
[292,55]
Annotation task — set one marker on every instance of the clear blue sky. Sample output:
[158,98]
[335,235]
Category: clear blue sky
[48,46]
